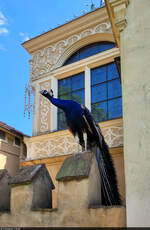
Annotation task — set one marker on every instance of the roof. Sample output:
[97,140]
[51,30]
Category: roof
[11,129]
[28,173]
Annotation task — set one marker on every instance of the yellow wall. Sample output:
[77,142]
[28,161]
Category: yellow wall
[53,165]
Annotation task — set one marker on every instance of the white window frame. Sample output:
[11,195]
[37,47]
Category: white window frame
[84,65]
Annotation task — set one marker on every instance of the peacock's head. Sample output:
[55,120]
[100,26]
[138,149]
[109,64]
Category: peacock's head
[46,93]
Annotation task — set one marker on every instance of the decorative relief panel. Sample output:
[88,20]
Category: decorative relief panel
[44,116]
[45,60]
[63,145]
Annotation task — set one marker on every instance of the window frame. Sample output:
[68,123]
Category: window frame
[14,144]
[106,83]
[59,111]
[84,65]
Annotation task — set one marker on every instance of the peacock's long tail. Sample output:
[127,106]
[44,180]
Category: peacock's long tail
[110,193]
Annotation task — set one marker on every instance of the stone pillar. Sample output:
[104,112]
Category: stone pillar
[135,56]
[31,188]
[79,184]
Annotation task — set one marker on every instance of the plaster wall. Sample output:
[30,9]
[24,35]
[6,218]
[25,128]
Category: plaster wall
[135,54]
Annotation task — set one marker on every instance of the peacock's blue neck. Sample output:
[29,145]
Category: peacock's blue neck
[61,104]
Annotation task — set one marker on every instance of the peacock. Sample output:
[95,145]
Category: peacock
[82,125]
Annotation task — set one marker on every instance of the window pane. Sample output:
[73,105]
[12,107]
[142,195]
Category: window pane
[61,121]
[65,96]
[78,96]
[112,71]
[115,108]
[2,135]
[99,111]
[73,58]
[98,75]
[17,141]
[114,88]
[106,46]
[78,81]
[99,93]
[64,86]
[88,51]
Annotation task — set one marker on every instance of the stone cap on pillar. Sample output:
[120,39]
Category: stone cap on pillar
[27,174]
[75,167]
[32,188]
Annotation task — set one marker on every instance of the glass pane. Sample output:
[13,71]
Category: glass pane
[115,108]
[65,96]
[64,86]
[114,88]
[98,75]
[2,135]
[78,96]
[61,121]
[73,58]
[99,111]
[112,71]
[78,81]
[89,51]
[99,93]
[106,46]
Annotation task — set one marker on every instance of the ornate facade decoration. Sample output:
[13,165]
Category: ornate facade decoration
[119,12]
[66,144]
[44,109]
[46,59]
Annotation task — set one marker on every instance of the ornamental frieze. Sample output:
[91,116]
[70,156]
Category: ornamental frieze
[46,59]
[66,144]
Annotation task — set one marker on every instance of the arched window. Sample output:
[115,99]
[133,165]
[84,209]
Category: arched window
[89,50]
[105,87]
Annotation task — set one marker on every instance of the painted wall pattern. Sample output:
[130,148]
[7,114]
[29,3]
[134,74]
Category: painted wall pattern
[47,59]
[63,145]
[44,111]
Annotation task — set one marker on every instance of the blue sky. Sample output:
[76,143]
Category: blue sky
[21,20]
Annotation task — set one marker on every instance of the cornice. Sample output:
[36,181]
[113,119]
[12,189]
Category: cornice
[117,15]
[60,33]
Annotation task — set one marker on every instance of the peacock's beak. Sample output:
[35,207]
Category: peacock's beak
[41,91]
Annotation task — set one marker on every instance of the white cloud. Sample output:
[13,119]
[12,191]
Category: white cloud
[24,36]
[3,30]
[3,19]
[21,34]
[3,22]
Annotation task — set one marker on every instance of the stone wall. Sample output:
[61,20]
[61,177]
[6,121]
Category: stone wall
[135,51]
[79,206]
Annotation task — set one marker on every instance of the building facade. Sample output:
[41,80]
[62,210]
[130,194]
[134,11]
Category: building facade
[12,148]
[77,61]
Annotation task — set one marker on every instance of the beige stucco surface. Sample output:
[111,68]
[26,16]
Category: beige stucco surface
[135,54]
[10,154]
[74,197]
